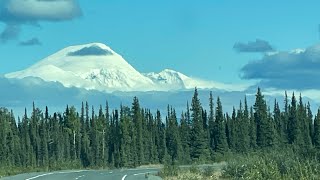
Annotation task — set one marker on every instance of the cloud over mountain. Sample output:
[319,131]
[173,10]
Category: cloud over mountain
[91,51]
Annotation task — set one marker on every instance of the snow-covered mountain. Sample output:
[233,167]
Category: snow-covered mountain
[96,66]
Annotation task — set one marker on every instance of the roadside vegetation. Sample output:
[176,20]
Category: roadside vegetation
[193,172]
[267,164]
[284,164]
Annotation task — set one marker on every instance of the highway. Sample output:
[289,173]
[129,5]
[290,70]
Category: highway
[118,174]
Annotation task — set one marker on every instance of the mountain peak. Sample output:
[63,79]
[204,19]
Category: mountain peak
[93,50]
[89,66]
[168,71]
[96,66]
[101,45]
[171,72]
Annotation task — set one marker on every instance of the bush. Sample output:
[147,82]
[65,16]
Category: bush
[208,171]
[194,169]
[169,171]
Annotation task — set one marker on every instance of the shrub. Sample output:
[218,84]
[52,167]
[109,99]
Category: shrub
[194,169]
[169,170]
[208,171]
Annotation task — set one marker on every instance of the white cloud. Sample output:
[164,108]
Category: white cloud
[296,69]
[35,10]
[14,13]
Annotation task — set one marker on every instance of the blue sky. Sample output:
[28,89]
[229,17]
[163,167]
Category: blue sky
[193,37]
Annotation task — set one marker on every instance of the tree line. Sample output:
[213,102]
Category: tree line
[134,136]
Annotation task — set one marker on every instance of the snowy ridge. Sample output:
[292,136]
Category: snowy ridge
[96,66]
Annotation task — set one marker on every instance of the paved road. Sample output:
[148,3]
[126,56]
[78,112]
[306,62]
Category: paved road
[117,174]
[126,174]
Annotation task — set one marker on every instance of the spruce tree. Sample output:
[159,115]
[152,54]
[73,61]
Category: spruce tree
[229,133]
[173,138]
[161,141]
[152,129]
[285,120]
[279,122]
[221,140]
[310,122]
[199,145]
[245,127]
[253,130]
[101,131]
[44,156]
[185,139]
[5,130]
[137,120]
[124,137]
[265,127]
[93,139]
[211,123]
[107,134]
[85,144]
[242,130]
[232,128]
[294,125]
[73,128]
[316,136]
[304,124]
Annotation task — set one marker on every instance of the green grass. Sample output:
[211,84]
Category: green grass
[272,165]
[14,170]
[172,172]
[287,163]
[11,171]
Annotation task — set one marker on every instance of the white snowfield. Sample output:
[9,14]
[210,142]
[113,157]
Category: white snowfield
[96,66]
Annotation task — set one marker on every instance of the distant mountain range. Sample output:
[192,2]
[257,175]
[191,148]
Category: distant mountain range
[96,66]
[95,73]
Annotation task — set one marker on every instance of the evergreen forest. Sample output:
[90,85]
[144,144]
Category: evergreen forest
[98,137]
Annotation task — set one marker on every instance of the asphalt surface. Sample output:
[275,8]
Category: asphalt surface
[125,174]
[117,174]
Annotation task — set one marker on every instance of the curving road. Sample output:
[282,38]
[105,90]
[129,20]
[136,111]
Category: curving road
[125,174]
[117,174]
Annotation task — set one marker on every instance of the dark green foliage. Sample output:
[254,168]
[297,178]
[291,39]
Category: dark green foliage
[305,116]
[160,140]
[221,139]
[244,126]
[169,170]
[211,126]
[125,139]
[231,128]
[294,129]
[316,136]
[283,164]
[173,137]
[199,146]
[133,136]
[265,126]
[240,129]
[252,130]
[137,120]
[279,123]
[184,131]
